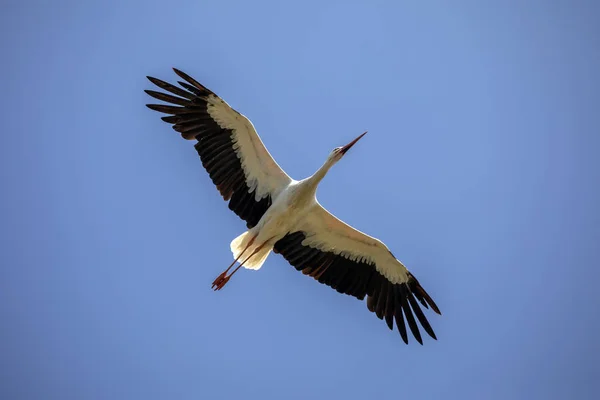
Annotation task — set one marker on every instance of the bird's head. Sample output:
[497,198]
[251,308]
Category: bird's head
[337,153]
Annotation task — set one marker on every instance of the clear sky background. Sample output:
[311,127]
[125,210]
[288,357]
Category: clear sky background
[480,172]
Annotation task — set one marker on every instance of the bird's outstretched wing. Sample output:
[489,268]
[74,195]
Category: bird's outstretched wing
[230,149]
[354,263]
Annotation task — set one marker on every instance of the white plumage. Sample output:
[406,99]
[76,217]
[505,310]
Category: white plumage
[284,216]
[326,232]
[263,175]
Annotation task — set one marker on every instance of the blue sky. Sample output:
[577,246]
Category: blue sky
[480,172]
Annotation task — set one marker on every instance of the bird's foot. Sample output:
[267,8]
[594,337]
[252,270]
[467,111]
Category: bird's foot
[221,281]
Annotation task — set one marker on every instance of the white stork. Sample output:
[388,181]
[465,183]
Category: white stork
[283,215]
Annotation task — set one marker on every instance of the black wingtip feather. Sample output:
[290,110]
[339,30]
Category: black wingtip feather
[167,97]
[192,81]
[191,88]
[389,320]
[371,303]
[389,309]
[421,294]
[410,319]
[428,299]
[382,300]
[420,316]
[400,319]
[173,89]
[156,81]
[163,108]
[171,119]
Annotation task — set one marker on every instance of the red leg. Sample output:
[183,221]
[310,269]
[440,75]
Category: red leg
[224,278]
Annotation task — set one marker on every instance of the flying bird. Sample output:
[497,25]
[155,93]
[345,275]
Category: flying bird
[283,215]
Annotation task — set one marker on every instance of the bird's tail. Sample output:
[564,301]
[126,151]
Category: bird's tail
[241,250]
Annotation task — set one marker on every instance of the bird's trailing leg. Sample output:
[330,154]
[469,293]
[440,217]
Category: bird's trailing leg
[224,278]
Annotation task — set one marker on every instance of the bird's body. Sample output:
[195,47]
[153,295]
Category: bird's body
[290,205]
[284,216]
[293,203]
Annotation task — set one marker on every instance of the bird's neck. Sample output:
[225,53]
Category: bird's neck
[318,176]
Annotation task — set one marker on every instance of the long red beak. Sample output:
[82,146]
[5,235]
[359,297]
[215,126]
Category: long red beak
[352,143]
